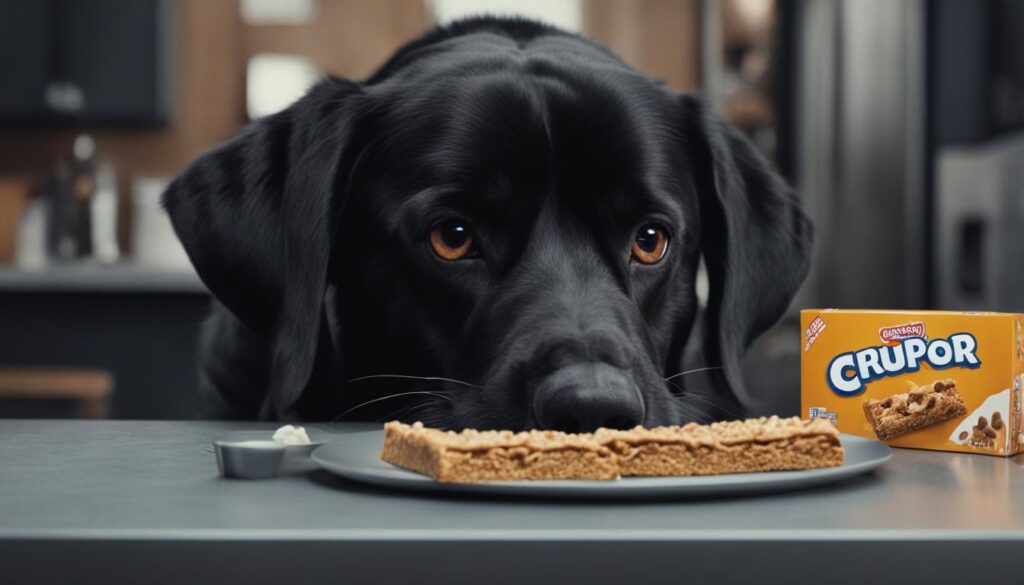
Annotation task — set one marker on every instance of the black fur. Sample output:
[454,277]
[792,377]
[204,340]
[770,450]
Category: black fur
[310,228]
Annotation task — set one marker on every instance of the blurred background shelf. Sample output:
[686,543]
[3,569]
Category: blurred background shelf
[138,325]
[124,278]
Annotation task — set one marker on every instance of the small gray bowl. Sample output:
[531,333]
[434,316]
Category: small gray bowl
[291,451]
[248,459]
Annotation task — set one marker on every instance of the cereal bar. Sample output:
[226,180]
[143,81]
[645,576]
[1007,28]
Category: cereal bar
[475,456]
[764,444]
[754,445]
[906,412]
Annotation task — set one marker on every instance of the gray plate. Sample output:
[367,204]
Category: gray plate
[357,457]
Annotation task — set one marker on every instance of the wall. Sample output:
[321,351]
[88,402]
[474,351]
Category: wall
[660,37]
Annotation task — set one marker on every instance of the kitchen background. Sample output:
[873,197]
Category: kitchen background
[900,123]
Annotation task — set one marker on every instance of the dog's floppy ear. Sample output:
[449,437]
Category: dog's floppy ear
[755,239]
[257,217]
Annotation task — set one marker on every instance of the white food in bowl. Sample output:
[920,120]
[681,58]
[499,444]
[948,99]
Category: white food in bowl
[290,435]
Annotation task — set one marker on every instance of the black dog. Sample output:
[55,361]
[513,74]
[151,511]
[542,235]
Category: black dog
[504,205]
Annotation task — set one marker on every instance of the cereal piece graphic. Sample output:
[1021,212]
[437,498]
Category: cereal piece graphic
[997,421]
[986,427]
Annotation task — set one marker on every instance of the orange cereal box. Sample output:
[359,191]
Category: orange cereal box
[940,380]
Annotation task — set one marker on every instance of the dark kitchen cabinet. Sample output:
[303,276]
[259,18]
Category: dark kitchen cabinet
[96,62]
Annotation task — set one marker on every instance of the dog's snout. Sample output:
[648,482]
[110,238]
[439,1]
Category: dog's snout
[560,351]
[584,397]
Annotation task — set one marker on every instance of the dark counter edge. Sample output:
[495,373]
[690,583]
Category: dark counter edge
[762,557]
[122,278]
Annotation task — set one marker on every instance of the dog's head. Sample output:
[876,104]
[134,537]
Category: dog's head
[502,204]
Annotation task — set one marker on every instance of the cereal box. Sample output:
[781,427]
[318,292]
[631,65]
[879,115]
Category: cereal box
[940,380]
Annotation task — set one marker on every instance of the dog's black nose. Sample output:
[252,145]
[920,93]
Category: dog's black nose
[583,397]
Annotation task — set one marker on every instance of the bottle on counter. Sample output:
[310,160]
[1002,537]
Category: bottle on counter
[82,198]
[69,193]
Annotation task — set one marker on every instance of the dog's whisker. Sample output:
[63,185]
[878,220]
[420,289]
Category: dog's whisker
[400,413]
[389,396]
[694,371]
[416,409]
[420,378]
[712,403]
[686,395]
[428,412]
[677,387]
[706,416]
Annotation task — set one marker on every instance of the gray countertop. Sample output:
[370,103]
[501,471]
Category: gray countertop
[111,493]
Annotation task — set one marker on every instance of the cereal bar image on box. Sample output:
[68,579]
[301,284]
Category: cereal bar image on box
[903,413]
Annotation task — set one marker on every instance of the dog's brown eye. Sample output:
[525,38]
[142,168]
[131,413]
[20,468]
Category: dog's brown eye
[451,239]
[650,244]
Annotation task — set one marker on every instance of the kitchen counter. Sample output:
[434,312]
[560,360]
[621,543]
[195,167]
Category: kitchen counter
[141,501]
